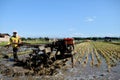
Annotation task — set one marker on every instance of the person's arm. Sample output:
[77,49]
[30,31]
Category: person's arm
[19,42]
[10,41]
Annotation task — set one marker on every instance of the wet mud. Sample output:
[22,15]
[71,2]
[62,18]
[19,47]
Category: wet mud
[60,69]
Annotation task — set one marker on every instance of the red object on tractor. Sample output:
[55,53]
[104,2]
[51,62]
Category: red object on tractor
[68,41]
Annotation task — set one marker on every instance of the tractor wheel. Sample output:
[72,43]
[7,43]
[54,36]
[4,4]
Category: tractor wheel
[70,48]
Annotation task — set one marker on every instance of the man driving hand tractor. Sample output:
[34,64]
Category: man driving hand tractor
[14,42]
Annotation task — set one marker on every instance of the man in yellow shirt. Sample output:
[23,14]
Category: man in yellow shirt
[14,42]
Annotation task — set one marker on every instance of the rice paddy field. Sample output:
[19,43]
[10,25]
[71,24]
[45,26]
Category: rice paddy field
[93,60]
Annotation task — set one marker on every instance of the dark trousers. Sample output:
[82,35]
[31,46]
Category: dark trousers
[15,50]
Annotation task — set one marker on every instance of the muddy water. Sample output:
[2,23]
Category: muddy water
[78,72]
[91,73]
[67,73]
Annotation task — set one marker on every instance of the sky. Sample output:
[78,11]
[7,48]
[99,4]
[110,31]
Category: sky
[60,18]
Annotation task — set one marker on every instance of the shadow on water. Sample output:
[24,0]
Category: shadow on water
[19,63]
[61,57]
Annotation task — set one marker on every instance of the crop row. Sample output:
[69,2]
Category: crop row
[94,51]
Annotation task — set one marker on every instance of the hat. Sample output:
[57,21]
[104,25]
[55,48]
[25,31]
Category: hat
[14,32]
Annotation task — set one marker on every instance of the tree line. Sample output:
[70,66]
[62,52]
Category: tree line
[75,38]
[97,38]
[30,38]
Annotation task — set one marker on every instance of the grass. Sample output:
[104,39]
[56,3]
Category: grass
[36,41]
[19,53]
[28,41]
[3,43]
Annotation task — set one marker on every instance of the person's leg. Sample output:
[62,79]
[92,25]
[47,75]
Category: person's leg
[15,53]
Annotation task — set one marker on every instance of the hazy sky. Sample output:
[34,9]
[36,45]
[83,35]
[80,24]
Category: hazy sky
[60,18]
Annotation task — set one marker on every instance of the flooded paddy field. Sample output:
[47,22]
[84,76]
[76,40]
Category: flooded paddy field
[92,61]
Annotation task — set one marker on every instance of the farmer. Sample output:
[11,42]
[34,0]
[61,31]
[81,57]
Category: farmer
[15,41]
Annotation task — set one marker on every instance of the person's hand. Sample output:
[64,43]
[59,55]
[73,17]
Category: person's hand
[20,44]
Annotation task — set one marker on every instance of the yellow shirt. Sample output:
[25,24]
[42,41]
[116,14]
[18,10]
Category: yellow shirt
[14,41]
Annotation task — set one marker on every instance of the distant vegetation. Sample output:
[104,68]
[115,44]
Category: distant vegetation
[75,38]
[98,38]
[36,40]
[42,40]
